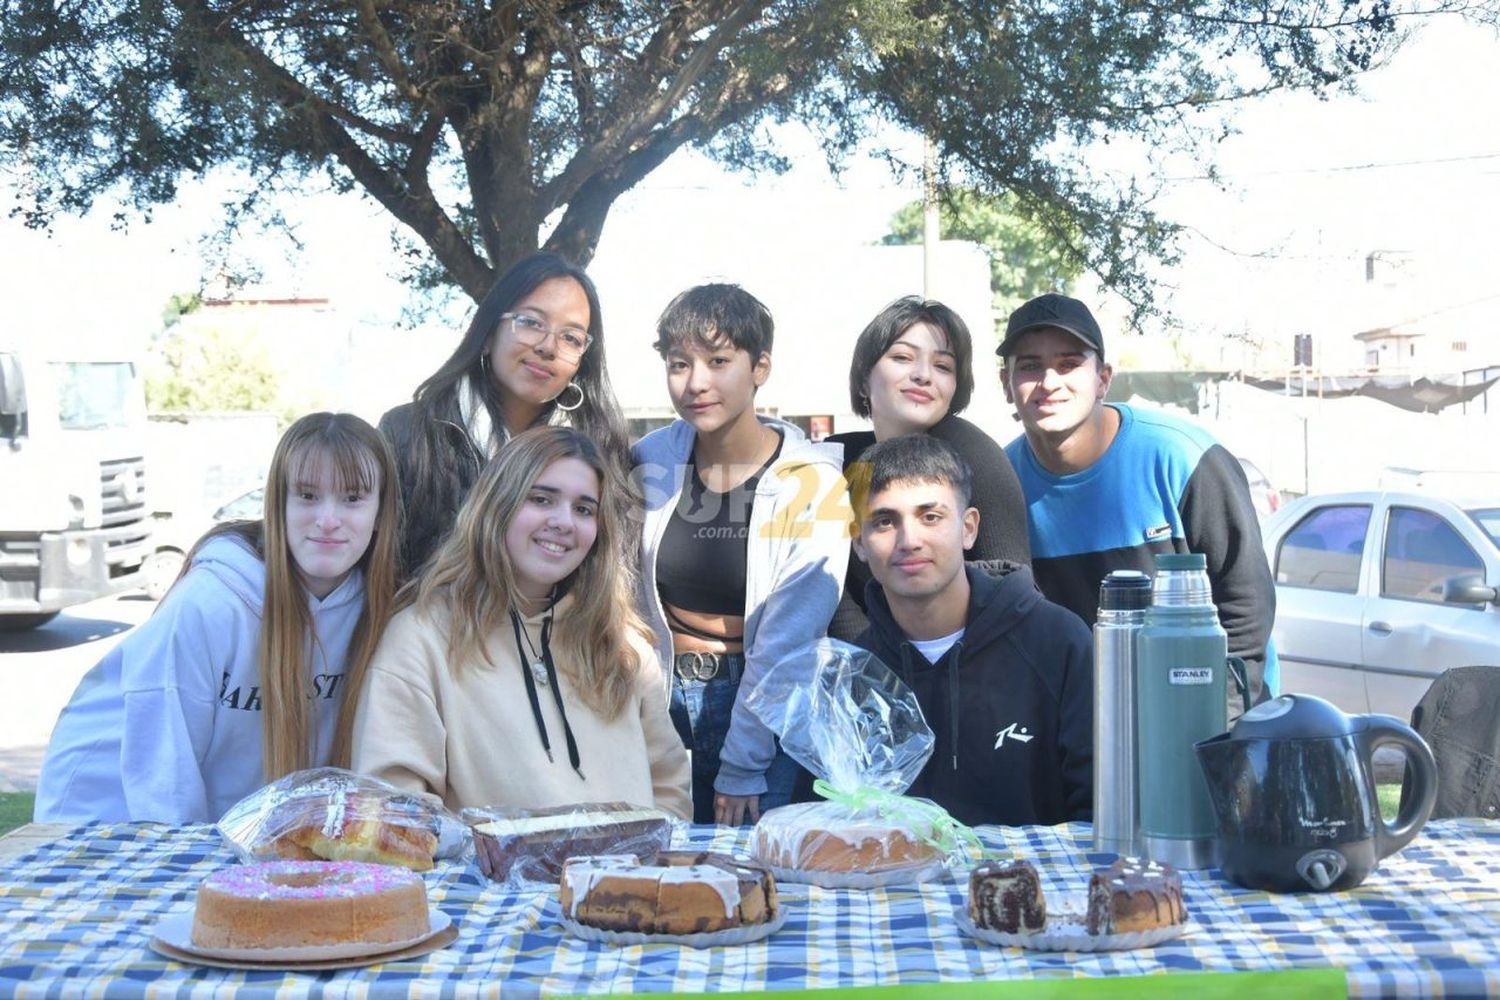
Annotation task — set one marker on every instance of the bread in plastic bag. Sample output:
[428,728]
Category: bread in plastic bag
[525,848]
[332,814]
[845,716]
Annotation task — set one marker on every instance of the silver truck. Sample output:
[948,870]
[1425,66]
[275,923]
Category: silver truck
[74,521]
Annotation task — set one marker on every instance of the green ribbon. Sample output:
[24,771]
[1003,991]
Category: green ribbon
[942,831]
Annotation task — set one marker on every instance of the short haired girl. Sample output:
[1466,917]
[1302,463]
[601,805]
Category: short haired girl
[912,373]
[745,542]
[518,672]
[250,666]
[534,352]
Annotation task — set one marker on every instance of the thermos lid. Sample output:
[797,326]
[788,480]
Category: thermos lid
[1295,717]
[1181,561]
[1125,590]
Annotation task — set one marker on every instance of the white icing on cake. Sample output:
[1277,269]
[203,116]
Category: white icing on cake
[785,827]
[583,873]
[524,825]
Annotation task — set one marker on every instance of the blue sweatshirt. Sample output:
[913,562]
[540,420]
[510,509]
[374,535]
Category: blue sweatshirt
[167,727]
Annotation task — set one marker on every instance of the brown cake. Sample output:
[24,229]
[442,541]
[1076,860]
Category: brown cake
[810,836]
[1134,894]
[357,826]
[535,845]
[288,904]
[675,892]
[1007,897]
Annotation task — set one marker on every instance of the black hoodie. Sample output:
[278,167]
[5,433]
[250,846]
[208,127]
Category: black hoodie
[1011,703]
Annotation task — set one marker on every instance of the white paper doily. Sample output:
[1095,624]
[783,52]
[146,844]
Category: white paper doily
[860,880]
[176,929]
[707,939]
[1066,932]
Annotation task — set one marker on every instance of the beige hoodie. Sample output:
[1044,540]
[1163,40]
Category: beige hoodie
[468,736]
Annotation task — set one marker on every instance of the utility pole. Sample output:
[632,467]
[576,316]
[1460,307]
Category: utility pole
[932,227]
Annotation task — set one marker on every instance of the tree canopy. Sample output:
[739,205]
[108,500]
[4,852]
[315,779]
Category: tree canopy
[1025,260]
[488,129]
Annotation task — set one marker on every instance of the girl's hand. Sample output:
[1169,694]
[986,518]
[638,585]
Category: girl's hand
[730,810]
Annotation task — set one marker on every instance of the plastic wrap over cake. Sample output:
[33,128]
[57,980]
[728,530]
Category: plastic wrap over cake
[845,716]
[330,814]
[527,847]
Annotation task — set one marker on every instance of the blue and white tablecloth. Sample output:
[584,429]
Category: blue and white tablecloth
[76,915]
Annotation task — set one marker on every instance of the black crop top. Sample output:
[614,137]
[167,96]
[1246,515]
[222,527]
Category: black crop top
[700,565]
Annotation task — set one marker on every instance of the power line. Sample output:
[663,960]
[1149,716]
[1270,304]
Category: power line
[1348,168]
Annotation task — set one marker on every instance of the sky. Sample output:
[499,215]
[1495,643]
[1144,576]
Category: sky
[1407,170]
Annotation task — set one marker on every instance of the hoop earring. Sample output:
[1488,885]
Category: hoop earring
[566,407]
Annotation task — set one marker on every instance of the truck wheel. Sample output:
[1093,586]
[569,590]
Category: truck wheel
[159,572]
[19,623]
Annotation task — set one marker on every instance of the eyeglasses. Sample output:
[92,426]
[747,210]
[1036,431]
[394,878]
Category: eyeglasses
[571,342]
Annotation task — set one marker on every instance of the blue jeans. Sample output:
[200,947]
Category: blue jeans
[701,711]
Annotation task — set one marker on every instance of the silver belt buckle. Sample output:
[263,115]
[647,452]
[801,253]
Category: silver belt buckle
[703,666]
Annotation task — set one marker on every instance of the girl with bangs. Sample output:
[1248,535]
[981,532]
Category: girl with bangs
[250,666]
[517,671]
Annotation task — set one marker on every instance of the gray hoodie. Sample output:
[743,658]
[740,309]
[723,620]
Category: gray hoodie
[795,563]
[167,727]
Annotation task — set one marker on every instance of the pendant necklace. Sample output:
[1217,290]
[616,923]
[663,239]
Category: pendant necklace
[537,665]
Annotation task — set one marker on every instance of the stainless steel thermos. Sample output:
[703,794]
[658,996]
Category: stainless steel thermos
[1180,683]
[1123,598]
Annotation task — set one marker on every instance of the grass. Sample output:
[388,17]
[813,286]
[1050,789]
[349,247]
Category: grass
[15,810]
[1390,800]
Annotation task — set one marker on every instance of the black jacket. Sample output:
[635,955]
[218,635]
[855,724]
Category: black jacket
[1011,704]
[427,520]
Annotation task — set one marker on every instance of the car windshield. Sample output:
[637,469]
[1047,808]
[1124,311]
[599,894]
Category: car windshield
[1488,519]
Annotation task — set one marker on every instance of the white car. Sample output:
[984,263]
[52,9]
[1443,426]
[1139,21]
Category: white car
[1377,593]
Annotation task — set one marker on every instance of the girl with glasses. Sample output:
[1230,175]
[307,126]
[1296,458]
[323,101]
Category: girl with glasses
[532,355]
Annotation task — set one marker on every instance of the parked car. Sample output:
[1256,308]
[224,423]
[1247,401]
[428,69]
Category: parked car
[1377,593]
[1267,498]
[172,537]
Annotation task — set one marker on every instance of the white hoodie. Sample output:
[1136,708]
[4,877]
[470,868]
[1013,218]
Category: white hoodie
[167,727]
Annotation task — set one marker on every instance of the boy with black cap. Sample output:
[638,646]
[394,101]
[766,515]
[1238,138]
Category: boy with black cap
[1108,486]
[1004,676]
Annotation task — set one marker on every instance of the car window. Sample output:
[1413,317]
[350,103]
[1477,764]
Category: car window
[1422,550]
[245,507]
[1488,520]
[1324,548]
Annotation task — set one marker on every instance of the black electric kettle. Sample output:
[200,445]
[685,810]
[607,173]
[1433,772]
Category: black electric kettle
[1293,788]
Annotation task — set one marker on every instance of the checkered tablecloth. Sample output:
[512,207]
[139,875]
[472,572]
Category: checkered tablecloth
[76,915]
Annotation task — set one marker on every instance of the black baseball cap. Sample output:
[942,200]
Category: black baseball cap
[1052,310]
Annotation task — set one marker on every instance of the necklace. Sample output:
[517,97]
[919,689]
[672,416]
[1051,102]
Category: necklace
[537,664]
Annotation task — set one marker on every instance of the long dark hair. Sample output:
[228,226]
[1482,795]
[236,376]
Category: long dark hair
[437,488]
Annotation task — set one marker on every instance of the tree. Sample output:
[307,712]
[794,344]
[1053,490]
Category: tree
[1024,260]
[201,368]
[488,129]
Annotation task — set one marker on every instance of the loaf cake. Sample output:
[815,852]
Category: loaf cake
[356,826]
[674,892]
[1007,897]
[288,904]
[812,836]
[535,845]
[1134,894]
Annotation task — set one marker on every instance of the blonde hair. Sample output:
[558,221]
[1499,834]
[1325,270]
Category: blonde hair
[360,461]
[473,577]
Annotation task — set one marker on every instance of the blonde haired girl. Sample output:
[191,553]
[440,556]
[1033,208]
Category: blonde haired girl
[249,668]
[518,672]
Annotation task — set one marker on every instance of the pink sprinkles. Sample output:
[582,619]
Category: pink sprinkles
[308,879]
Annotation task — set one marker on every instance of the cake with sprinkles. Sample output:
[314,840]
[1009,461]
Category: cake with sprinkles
[288,904]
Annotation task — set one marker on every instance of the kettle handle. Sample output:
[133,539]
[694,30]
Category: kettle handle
[1416,807]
